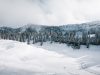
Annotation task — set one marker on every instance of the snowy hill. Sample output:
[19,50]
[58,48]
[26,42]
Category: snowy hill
[35,26]
[88,25]
[21,59]
[81,26]
[74,35]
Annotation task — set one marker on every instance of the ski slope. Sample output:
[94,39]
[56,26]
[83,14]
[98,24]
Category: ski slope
[18,58]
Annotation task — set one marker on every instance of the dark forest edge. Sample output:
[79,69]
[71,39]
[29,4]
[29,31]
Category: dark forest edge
[72,35]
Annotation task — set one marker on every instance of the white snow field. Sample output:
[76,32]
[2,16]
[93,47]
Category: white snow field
[18,58]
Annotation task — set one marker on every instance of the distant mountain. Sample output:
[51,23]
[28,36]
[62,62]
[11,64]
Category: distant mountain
[95,25]
[85,26]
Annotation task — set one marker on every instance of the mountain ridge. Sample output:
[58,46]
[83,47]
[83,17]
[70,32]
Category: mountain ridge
[92,23]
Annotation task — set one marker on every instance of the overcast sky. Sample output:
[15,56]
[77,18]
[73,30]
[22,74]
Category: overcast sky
[50,12]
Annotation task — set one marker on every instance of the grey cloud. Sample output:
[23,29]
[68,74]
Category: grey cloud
[50,12]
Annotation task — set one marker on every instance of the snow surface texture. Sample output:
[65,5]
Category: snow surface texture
[21,59]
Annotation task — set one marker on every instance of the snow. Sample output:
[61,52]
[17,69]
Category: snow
[87,57]
[18,58]
[94,69]
[92,35]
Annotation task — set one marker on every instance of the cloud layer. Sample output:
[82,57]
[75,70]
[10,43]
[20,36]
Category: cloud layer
[51,12]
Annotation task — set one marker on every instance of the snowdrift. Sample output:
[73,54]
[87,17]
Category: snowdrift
[21,59]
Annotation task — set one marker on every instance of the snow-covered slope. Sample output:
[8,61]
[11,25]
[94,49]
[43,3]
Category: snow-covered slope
[87,57]
[21,59]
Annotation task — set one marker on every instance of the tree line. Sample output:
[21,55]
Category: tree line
[73,38]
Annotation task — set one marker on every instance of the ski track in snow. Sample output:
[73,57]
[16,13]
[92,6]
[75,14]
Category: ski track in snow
[50,59]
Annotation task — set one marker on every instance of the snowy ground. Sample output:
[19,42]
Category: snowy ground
[89,58]
[50,59]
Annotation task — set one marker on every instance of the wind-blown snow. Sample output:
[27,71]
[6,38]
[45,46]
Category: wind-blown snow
[21,59]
